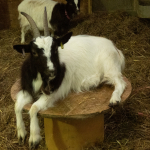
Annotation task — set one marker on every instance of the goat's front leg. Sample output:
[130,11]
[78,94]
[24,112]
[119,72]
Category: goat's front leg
[41,104]
[23,98]
[23,33]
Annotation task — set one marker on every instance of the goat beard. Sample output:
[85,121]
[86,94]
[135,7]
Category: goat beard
[46,88]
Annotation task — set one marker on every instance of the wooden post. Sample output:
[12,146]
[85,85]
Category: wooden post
[5,20]
[13,13]
[89,6]
[73,134]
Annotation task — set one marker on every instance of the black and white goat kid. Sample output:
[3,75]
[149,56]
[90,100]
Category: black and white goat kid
[58,14]
[84,63]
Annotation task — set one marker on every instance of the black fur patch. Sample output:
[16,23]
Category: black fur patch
[71,8]
[59,20]
[78,4]
[56,82]
[59,68]
[28,73]
[39,60]
[36,62]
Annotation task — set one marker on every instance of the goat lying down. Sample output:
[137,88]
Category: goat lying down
[84,63]
[59,15]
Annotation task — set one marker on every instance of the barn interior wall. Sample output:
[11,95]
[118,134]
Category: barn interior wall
[112,5]
[4,20]
[9,12]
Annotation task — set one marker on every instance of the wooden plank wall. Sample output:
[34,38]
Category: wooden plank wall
[9,14]
[13,12]
[114,5]
[4,17]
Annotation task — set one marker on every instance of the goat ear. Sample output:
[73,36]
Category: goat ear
[19,48]
[65,38]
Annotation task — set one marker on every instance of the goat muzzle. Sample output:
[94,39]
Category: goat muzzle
[46,88]
[50,74]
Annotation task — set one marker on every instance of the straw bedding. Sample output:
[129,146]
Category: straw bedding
[127,127]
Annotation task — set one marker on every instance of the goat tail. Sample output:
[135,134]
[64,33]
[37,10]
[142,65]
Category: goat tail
[122,59]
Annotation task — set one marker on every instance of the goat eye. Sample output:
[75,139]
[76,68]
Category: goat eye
[34,54]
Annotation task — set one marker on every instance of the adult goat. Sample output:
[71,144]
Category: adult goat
[50,73]
[59,15]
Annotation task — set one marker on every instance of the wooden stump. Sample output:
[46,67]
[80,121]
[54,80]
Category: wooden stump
[78,120]
[73,134]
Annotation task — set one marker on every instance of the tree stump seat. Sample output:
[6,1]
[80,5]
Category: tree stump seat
[77,120]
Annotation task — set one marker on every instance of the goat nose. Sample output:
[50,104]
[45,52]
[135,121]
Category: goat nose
[52,73]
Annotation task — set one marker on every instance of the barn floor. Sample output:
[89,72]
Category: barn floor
[126,127]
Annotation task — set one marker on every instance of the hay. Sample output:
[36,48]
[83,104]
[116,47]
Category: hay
[126,127]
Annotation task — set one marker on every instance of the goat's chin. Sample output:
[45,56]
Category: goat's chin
[46,87]
[45,90]
[51,78]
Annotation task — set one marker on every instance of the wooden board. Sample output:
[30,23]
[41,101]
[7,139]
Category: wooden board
[89,6]
[79,105]
[13,13]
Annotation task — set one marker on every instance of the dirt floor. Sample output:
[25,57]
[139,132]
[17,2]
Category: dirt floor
[126,127]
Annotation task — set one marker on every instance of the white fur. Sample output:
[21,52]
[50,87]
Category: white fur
[76,2]
[89,61]
[37,83]
[45,43]
[34,9]
[44,102]
[23,98]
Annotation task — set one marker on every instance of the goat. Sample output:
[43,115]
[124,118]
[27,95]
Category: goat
[84,63]
[59,15]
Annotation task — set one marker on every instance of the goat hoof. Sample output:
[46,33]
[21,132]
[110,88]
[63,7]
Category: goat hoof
[113,104]
[117,103]
[110,104]
[33,146]
[21,140]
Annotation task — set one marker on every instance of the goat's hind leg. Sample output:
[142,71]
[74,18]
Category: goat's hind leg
[24,30]
[119,85]
[23,98]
